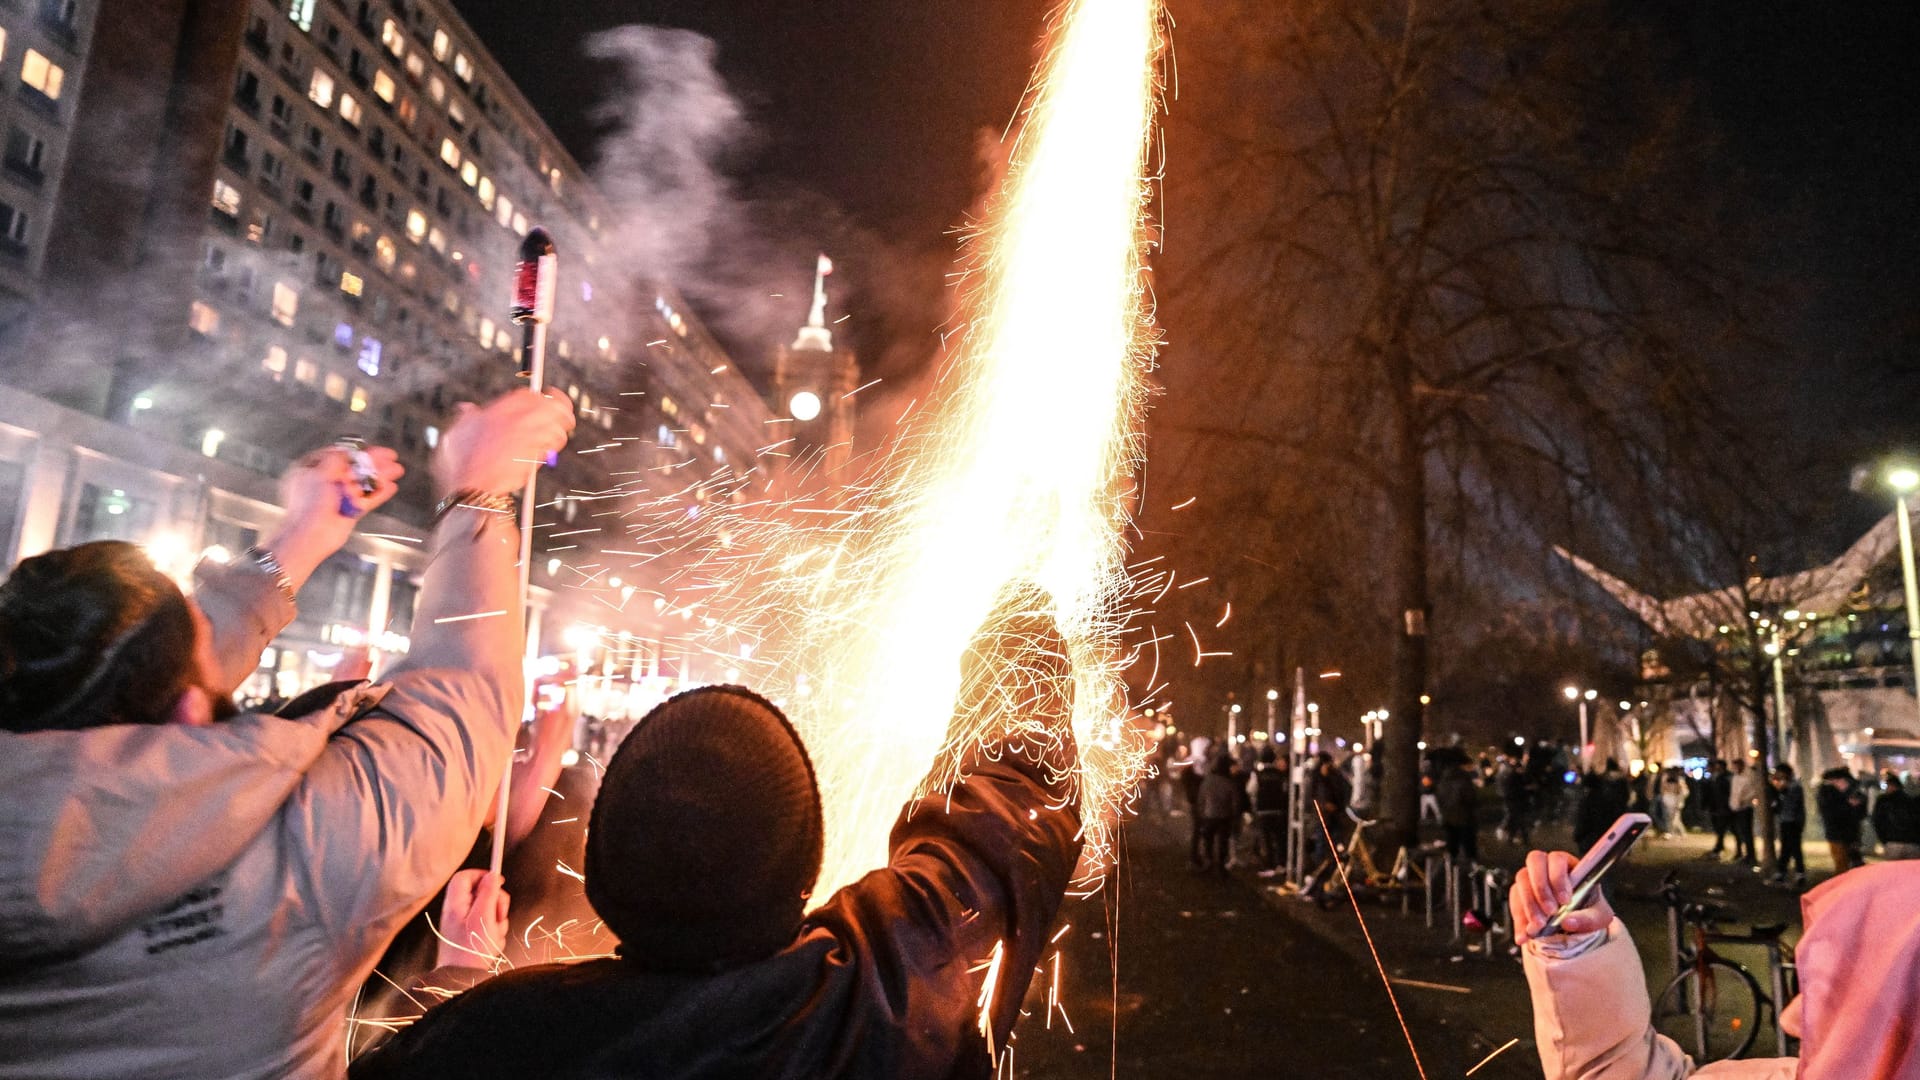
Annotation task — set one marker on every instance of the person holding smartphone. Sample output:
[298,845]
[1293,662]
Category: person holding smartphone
[1857,1016]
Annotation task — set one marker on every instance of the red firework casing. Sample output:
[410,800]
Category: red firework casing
[535,278]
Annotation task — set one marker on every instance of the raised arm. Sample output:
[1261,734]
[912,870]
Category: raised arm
[1592,1019]
[386,816]
[980,863]
[243,600]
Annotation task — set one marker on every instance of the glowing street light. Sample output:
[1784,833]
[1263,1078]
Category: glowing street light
[1903,480]
[1581,698]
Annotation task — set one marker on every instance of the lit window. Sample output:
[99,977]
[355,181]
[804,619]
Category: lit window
[351,284]
[384,252]
[441,45]
[42,74]
[275,362]
[301,12]
[720,455]
[203,319]
[226,198]
[553,178]
[469,174]
[383,86]
[457,114]
[393,38]
[416,67]
[485,191]
[3,41]
[369,359]
[486,331]
[286,303]
[343,335]
[358,403]
[336,386]
[501,341]
[305,370]
[450,152]
[463,67]
[406,112]
[669,406]
[699,433]
[520,224]
[416,225]
[433,436]
[665,437]
[437,240]
[504,211]
[436,89]
[320,90]
[350,110]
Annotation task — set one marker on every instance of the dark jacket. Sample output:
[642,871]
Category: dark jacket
[1841,812]
[1455,793]
[1220,797]
[1896,818]
[1717,793]
[1790,804]
[1270,790]
[884,980]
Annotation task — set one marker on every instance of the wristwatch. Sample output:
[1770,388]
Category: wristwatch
[270,565]
[489,502]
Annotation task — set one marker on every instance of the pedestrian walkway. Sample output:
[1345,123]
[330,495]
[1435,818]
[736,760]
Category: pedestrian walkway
[1211,982]
[1435,972]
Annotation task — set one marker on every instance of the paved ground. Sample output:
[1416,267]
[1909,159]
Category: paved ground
[1224,978]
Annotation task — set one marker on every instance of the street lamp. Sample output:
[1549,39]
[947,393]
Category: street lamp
[1273,713]
[1903,481]
[1581,698]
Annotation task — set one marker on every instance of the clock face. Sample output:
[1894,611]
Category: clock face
[804,405]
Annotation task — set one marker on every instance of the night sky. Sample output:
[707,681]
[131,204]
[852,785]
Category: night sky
[879,107]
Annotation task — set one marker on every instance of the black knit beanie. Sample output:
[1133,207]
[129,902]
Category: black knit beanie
[706,836]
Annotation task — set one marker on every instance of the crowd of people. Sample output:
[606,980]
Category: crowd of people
[188,889]
[1237,803]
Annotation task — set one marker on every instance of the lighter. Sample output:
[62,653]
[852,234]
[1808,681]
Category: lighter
[360,464]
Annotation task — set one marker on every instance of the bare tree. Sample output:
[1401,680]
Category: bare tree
[1433,257]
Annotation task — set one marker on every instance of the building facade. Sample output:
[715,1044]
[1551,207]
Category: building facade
[261,225]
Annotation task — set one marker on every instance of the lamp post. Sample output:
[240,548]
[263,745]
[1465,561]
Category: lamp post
[1273,714]
[1903,481]
[1313,727]
[1233,726]
[1581,698]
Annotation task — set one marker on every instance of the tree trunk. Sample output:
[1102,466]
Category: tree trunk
[1400,797]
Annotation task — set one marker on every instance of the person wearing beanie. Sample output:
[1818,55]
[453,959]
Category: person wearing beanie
[704,845]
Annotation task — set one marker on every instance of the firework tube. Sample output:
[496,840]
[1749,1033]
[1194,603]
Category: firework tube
[535,281]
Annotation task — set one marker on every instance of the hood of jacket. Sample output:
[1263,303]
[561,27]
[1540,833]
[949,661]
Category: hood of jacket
[1860,975]
[103,827]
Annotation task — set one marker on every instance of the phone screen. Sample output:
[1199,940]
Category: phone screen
[1594,865]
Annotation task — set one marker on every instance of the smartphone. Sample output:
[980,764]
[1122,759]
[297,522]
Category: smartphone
[1593,866]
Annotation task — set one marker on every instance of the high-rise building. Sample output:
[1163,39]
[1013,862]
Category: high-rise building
[261,225]
[43,55]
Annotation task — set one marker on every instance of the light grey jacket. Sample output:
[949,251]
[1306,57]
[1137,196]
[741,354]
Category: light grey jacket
[204,901]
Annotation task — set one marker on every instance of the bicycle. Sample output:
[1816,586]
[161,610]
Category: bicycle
[1713,1006]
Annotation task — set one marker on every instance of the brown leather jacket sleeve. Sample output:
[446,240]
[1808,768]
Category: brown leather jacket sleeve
[979,868]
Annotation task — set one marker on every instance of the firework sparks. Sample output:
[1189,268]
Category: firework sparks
[1018,470]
